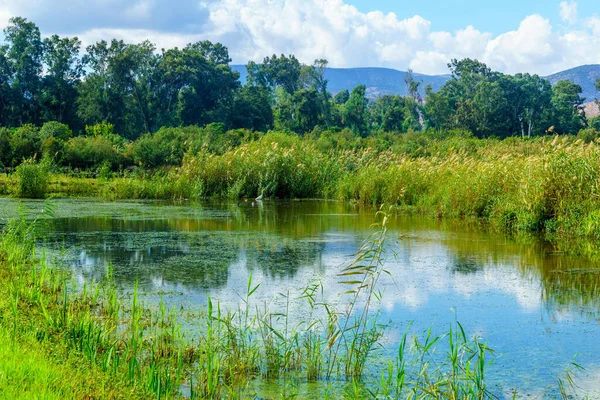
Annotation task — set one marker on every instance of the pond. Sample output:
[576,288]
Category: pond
[538,308]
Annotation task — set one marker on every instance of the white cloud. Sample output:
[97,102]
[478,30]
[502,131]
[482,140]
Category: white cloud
[593,23]
[568,12]
[311,29]
[525,49]
[5,15]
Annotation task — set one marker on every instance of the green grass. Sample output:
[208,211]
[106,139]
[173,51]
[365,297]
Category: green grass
[26,372]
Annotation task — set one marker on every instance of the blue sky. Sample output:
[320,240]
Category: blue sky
[495,17]
[511,36]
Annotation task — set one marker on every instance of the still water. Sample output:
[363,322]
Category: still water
[537,308]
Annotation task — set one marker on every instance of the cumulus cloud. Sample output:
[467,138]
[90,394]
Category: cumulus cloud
[568,12]
[311,29]
[5,15]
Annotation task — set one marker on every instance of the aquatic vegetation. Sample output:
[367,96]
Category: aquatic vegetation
[140,349]
[31,179]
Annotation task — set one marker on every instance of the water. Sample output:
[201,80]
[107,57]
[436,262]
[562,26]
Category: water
[536,307]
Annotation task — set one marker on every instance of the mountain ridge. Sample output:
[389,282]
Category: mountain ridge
[381,81]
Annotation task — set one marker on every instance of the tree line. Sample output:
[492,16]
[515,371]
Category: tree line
[138,89]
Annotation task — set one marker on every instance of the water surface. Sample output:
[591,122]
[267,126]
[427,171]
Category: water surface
[536,307]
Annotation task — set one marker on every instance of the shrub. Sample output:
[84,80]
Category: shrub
[5,152]
[91,152]
[32,180]
[24,143]
[53,129]
[165,147]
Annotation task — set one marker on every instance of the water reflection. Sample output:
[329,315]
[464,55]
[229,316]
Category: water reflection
[535,305]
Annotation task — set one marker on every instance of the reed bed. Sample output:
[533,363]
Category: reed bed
[548,184]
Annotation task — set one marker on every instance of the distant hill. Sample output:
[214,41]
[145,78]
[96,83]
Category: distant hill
[585,76]
[381,81]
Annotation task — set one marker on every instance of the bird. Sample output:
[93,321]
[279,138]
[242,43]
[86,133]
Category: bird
[259,198]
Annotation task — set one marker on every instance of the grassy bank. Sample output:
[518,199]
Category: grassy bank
[62,341]
[547,184]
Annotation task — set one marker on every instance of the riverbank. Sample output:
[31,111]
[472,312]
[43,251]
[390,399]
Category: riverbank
[548,184]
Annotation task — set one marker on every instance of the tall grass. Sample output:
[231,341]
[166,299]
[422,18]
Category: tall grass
[547,184]
[32,179]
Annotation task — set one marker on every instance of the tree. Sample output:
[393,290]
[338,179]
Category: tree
[412,86]
[64,72]
[307,110]
[535,101]
[251,109]
[341,97]
[275,72]
[24,55]
[198,84]
[103,94]
[319,83]
[567,105]
[6,92]
[355,111]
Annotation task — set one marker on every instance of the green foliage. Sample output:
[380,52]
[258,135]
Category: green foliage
[341,97]
[355,111]
[588,135]
[24,143]
[31,180]
[58,131]
[90,152]
[134,90]
[594,123]
[5,150]
[165,147]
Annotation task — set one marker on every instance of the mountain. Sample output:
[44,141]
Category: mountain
[381,81]
[585,76]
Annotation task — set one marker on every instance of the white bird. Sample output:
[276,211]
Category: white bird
[259,198]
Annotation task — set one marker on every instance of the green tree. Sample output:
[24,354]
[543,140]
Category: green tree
[24,54]
[533,102]
[275,72]
[251,109]
[341,97]
[567,105]
[6,92]
[394,114]
[197,85]
[355,112]
[64,72]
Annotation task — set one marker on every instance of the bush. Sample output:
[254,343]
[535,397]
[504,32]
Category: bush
[91,152]
[53,129]
[32,180]
[5,153]
[24,143]
[165,147]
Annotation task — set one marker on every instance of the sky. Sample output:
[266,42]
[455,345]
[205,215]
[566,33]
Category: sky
[511,36]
